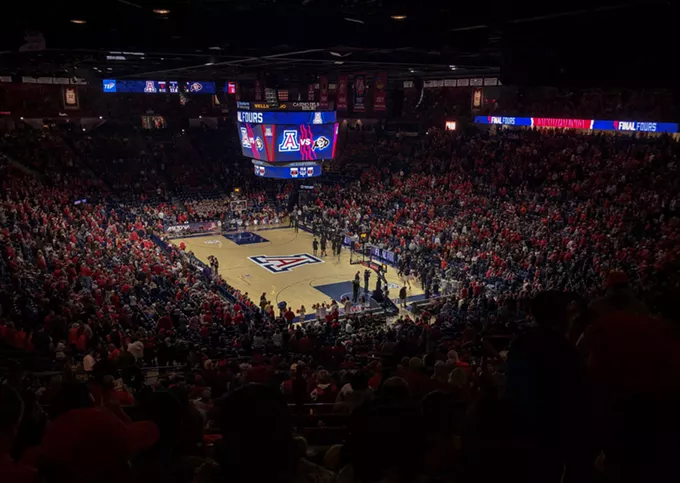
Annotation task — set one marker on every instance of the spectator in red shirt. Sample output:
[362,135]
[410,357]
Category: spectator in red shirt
[87,445]
[289,315]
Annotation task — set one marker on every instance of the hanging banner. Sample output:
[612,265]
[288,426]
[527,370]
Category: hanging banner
[477,98]
[341,99]
[359,93]
[237,91]
[323,92]
[70,96]
[379,94]
[310,93]
[283,94]
[258,90]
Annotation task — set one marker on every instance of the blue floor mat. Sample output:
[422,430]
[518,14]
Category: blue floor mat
[337,291]
[245,238]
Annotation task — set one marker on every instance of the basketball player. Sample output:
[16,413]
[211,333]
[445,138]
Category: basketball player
[315,246]
[323,245]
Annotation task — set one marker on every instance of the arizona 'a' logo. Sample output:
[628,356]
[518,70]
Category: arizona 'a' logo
[245,140]
[285,263]
[289,141]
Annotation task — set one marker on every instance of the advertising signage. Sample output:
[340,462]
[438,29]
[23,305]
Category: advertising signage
[567,123]
[282,106]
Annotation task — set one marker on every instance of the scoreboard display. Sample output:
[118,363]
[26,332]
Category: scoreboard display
[285,143]
[157,86]
[282,117]
[300,170]
[285,137]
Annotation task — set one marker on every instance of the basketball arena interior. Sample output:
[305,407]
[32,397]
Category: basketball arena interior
[304,241]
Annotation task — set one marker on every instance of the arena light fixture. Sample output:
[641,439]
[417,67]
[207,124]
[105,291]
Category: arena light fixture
[161,11]
[78,21]
[398,17]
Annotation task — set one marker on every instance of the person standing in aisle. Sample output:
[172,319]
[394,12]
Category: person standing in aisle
[356,286]
[402,296]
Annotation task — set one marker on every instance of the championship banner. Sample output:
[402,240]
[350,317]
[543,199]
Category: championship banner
[323,92]
[379,91]
[237,91]
[359,94]
[258,90]
[70,96]
[341,99]
[477,98]
[283,94]
[310,93]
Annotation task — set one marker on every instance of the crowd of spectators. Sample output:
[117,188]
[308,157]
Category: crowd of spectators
[550,355]
[519,212]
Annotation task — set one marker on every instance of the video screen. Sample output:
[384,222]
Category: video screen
[157,86]
[279,117]
[285,143]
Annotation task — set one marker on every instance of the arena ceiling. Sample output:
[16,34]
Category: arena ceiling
[597,40]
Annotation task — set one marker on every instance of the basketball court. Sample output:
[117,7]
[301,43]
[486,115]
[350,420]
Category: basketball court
[281,263]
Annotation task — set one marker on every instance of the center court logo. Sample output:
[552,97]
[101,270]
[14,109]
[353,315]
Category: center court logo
[285,263]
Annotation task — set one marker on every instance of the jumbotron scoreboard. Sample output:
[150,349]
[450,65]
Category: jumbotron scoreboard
[287,143]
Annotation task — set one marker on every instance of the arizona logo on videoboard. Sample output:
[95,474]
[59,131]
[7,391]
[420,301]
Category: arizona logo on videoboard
[359,93]
[285,263]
